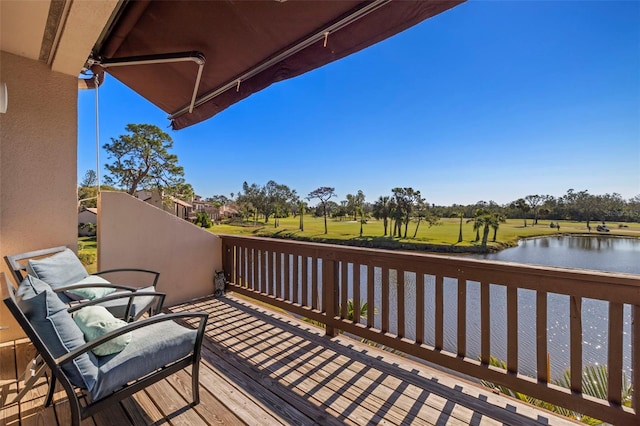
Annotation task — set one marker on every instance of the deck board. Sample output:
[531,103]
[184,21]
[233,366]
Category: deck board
[261,367]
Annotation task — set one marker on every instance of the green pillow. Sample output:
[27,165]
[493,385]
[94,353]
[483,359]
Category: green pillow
[94,321]
[90,292]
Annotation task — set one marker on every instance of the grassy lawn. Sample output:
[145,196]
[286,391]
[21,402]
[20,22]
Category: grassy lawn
[88,249]
[443,236]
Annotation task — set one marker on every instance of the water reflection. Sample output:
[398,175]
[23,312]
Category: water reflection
[597,252]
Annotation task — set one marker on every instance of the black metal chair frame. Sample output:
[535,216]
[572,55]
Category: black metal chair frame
[80,412]
[19,272]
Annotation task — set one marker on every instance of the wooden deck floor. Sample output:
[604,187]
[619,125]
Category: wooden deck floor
[263,368]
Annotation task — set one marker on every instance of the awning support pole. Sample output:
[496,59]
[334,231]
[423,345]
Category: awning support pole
[164,58]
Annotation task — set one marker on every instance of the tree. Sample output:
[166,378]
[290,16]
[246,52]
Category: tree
[203,220]
[382,210]
[142,159]
[88,191]
[301,207]
[323,194]
[495,221]
[535,201]
[460,214]
[363,221]
[405,199]
[354,202]
[522,205]
[478,221]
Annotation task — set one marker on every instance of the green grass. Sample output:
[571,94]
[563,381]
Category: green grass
[89,246]
[442,237]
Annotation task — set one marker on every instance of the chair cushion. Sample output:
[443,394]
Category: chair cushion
[59,270]
[94,321]
[119,306]
[90,293]
[156,344]
[49,318]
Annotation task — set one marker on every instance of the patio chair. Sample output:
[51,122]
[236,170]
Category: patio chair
[158,347]
[62,270]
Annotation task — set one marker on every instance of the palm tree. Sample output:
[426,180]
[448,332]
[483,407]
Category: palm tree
[382,210]
[301,207]
[521,204]
[360,212]
[496,220]
[478,221]
[460,214]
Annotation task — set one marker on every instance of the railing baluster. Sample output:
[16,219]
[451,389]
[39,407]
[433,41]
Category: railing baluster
[254,271]
[419,308]
[278,265]
[305,281]
[273,266]
[462,317]
[614,360]
[356,292]
[287,277]
[296,280]
[238,265]
[512,329]
[344,295]
[314,282]
[575,314]
[400,303]
[264,276]
[485,323]
[385,299]
[542,361]
[370,295]
[439,313]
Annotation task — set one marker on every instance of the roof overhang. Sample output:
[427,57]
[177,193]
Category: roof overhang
[247,45]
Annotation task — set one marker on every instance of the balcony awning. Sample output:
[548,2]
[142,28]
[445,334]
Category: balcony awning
[248,45]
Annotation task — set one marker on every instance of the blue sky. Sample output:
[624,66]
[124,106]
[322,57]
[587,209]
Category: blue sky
[491,100]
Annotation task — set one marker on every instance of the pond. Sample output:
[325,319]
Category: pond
[597,252]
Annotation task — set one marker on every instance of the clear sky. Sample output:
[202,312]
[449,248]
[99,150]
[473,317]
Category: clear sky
[491,100]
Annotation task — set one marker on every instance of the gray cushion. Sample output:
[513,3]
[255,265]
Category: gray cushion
[157,344]
[59,270]
[119,306]
[48,316]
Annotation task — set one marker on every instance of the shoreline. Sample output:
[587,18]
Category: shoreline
[391,244]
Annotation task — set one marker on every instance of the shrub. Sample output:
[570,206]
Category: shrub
[87,258]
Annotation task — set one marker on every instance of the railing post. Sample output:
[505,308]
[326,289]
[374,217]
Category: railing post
[227,261]
[330,295]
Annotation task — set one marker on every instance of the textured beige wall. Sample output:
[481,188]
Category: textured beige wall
[132,233]
[38,155]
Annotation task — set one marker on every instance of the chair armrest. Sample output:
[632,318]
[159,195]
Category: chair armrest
[134,326]
[99,285]
[144,271]
[131,296]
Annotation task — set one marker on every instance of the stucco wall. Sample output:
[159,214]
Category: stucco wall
[132,233]
[38,152]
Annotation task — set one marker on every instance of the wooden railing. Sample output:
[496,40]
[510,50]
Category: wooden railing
[407,294]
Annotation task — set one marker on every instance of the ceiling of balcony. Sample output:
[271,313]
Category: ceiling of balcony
[60,33]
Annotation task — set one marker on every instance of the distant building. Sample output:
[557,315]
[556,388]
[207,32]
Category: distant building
[200,206]
[85,216]
[170,204]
